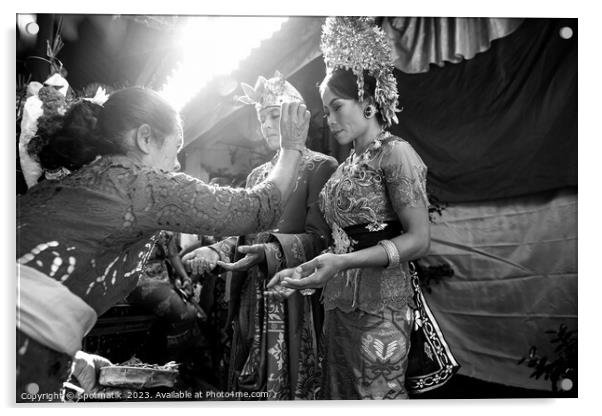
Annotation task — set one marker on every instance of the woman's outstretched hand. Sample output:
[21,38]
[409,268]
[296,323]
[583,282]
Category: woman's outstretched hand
[86,369]
[254,254]
[201,260]
[312,274]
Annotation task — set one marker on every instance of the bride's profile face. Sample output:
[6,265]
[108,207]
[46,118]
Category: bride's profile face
[344,116]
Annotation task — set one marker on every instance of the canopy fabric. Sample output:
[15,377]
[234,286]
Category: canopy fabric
[501,124]
[421,41]
[291,48]
[515,277]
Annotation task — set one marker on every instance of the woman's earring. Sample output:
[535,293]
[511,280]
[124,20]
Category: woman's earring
[369,111]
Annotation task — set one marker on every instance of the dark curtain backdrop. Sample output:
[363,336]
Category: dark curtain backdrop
[501,124]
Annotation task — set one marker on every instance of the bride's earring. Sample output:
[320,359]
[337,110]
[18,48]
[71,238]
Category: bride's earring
[368,111]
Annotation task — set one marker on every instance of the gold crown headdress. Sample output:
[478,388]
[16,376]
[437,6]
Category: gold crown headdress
[357,44]
[270,92]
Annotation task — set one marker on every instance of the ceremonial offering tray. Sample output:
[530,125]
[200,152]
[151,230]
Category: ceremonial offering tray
[138,375]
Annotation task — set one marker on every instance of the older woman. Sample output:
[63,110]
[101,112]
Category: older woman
[82,240]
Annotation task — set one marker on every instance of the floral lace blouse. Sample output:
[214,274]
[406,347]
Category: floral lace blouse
[371,189]
[94,230]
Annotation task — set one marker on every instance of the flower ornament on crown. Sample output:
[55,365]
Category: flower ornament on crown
[357,44]
[270,92]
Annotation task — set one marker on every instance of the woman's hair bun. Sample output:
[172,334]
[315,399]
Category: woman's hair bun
[70,141]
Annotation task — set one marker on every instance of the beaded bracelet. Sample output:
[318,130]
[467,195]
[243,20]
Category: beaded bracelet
[392,252]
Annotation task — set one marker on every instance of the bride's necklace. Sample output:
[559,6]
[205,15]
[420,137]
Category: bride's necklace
[365,154]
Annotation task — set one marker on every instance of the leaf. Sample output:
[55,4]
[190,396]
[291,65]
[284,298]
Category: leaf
[249,91]
[260,83]
[246,100]
[542,363]
[537,374]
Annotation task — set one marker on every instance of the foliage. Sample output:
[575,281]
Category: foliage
[436,207]
[564,365]
[432,274]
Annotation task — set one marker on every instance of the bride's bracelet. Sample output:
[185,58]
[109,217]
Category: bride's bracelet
[392,252]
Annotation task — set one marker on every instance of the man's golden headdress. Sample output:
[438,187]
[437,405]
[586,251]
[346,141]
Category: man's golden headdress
[270,92]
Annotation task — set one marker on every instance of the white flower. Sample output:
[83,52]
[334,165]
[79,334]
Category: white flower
[32,110]
[100,97]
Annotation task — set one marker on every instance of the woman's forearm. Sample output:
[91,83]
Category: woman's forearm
[284,172]
[294,124]
[410,247]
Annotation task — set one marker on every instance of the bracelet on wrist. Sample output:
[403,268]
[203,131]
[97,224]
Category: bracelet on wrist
[294,146]
[392,252]
[216,250]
